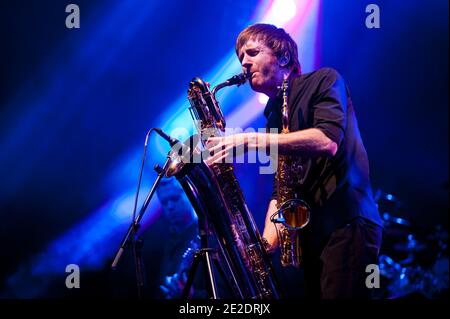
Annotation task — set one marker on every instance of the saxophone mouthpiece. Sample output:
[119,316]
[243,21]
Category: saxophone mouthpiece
[238,79]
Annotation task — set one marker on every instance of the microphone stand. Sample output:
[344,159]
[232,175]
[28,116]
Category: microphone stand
[132,230]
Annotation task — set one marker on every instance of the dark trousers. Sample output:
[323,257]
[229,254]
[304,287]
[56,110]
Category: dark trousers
[339,269]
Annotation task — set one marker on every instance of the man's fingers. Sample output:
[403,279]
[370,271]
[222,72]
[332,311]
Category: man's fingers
[211,159]
[222,158]
[216,149]
[219,157]
[213,141]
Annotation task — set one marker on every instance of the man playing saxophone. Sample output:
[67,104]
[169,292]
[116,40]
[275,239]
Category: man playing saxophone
[324,164]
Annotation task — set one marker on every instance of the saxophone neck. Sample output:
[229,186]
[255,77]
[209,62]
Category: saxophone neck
[237,79]
[204,105]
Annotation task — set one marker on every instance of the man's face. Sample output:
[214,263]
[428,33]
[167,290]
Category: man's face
[176,208]
[262,67]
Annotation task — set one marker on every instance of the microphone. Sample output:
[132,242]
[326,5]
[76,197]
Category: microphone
[184,149]
[172,141]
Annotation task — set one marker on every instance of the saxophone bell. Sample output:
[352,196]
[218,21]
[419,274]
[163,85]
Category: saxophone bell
[294,214]
[186,152]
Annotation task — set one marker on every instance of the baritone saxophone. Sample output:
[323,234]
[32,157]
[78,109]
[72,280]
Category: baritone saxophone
[214,192]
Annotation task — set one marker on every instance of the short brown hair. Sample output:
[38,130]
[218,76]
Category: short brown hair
[278,40]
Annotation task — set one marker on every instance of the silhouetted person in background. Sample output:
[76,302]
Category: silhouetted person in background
[181,242]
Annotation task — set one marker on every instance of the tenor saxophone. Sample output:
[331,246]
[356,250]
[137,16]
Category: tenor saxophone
[293,213]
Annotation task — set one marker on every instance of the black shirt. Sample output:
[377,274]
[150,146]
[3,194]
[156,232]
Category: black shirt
[337,188]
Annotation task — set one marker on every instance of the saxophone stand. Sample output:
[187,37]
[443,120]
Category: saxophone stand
[208,256]
[131,236]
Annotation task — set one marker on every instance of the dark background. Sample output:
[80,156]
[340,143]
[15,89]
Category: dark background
[73,103]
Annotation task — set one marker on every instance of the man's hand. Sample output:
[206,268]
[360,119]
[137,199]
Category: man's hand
[224,149]
[174,285]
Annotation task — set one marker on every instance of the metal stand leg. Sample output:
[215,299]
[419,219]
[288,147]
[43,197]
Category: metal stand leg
[205,255]
[209,258]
